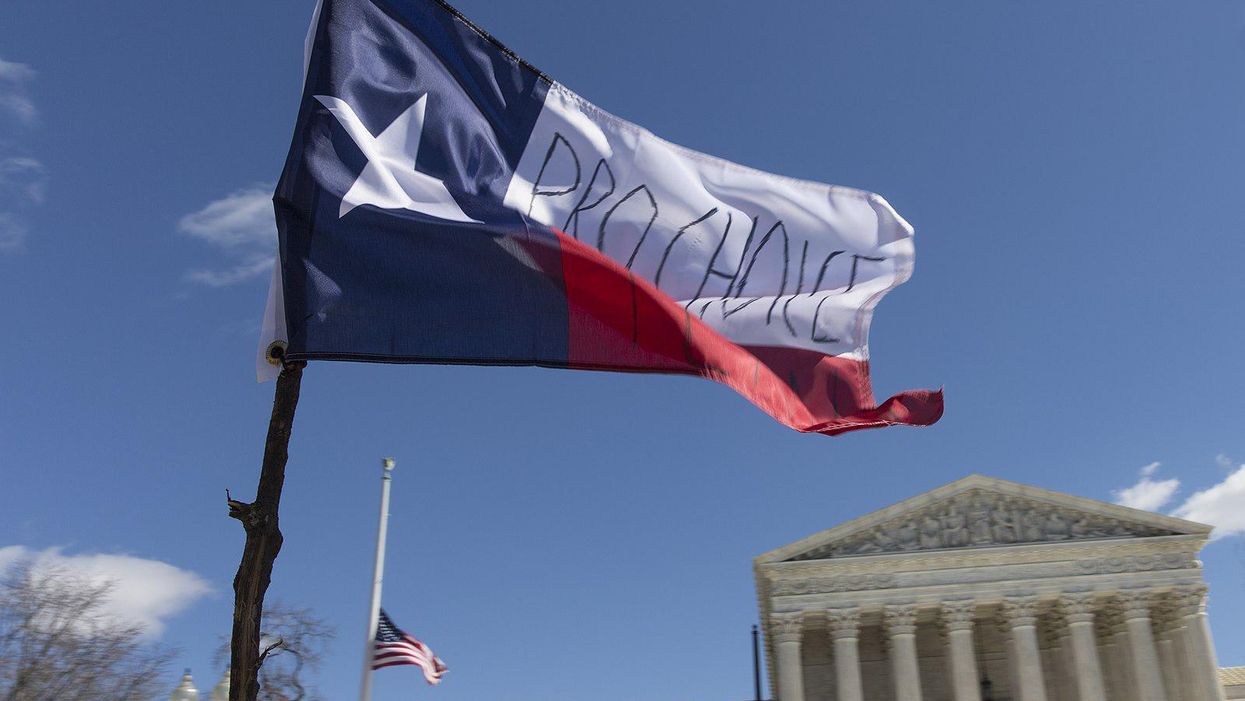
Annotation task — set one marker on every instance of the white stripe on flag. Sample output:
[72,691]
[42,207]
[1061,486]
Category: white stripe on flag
[409,651]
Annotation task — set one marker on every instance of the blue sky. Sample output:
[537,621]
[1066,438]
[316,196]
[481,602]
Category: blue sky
[1072,170]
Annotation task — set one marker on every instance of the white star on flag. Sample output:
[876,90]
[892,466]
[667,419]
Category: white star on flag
[390,180]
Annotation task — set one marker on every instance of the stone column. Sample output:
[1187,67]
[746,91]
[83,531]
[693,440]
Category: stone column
[1069,685]
[1021,615]
[1123,659]
[787,630]
[1078,610]
[1166,629]
[1107,656]
[845,632]
[958,618]
[1009,652]
[1199,646]
[1147,677]
[1048,648]
[901,629]
[1168,666]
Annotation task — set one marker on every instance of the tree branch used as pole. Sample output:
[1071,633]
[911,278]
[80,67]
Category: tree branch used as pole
[263,539]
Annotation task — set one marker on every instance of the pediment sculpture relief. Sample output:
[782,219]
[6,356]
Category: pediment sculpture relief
[978,518]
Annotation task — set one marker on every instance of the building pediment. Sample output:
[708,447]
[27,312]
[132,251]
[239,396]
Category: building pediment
[979,512]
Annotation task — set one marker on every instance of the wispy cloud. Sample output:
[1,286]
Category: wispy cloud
[14,99]
[13,232]
[248,270]
[241,218]
[15,72]
[1147,493]
[144,592]
[23,179]
[239,225]
[1222,505]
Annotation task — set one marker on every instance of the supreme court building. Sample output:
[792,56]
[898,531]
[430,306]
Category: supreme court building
[985,589]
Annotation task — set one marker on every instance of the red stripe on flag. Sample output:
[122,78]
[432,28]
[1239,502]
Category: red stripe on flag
[619,321]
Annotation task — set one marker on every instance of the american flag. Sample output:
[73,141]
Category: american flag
[395,646]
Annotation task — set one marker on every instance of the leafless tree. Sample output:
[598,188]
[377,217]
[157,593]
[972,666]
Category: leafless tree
[58,644]
[293,642]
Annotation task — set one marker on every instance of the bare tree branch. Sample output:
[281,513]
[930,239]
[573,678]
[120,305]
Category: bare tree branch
[264,655]
[301,642]
[57,644]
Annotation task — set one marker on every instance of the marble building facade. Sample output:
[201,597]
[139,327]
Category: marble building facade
[985,589]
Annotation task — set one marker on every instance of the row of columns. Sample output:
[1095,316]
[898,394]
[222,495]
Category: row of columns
[1171,661]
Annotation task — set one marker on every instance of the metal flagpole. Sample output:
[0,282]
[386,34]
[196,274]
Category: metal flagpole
[756,665]
[365,689]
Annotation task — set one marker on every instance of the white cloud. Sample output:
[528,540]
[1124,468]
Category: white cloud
[12,232]
[13,97]
[1221,506]
[240,218]
[242,226]
[144,592]
[23,180]
[1146,493]
[15,72]
[247,270]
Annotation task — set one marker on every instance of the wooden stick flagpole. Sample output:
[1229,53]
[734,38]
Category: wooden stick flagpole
[378,576]
[263,540]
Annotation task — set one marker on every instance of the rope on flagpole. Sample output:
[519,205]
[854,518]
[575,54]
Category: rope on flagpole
[378,572]
[263,539]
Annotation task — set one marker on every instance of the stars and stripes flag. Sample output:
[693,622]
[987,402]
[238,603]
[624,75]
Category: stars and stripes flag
[395,646]
[445,202]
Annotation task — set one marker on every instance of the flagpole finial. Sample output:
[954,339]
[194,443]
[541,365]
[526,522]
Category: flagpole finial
[388,464]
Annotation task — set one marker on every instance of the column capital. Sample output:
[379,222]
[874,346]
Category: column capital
[1136,602]
[1105,620]
[1190,599]
[959,614]
[900,619]
[1199,589]
[787,627]
[1020,611]
[1078,606]
[843,622]
[1166,615]
[1057,627]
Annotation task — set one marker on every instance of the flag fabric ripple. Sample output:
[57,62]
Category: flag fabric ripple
[445,202]
[394,646]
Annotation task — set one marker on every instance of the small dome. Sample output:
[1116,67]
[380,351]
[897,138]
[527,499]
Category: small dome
[220,692]
[186,690]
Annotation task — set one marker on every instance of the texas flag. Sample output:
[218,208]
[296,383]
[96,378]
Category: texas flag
[445,202]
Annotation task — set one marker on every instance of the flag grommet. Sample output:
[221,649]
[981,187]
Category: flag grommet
[275,353]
